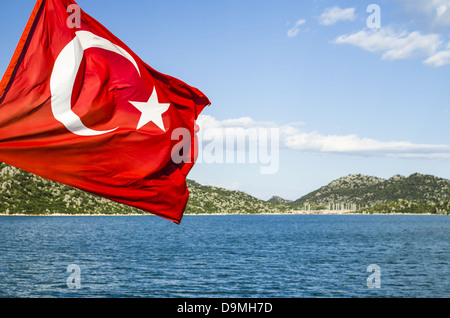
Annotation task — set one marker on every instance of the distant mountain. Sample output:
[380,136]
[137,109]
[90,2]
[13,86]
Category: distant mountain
[366,191]
[279,200]
[25,193]
[209,199]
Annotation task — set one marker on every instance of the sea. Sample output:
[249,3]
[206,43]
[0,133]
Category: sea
[226,256]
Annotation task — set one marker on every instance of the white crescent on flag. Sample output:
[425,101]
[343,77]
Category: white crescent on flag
[64,74]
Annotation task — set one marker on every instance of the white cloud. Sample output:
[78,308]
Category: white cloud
[293,137]
[296,28]
[207,121]
[436,12]
[393,45]
[355,145]
[439,59]
[332,15]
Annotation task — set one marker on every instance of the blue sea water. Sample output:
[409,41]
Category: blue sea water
[247,256]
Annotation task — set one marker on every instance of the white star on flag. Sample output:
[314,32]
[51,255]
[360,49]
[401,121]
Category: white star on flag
[151,111]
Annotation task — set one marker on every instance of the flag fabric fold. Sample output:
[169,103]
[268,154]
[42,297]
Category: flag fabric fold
[78,107]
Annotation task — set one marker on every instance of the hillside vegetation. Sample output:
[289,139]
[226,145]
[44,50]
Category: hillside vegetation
[413,194]
[25,193]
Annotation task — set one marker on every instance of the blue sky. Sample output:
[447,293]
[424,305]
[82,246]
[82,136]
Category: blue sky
[347,98]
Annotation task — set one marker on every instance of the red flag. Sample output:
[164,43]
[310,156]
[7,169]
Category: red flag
[78,107]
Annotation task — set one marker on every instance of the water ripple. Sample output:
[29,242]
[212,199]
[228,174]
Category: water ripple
[225,256]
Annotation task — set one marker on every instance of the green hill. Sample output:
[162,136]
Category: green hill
[373,194]
[209,199]
[25,193]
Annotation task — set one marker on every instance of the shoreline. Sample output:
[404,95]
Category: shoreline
[214,214]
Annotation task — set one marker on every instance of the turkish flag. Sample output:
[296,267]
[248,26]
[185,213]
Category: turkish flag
[78,107]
